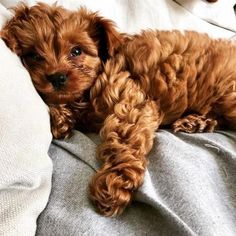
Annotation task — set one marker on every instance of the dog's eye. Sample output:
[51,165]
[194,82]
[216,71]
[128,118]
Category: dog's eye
[34,57]
[75,52]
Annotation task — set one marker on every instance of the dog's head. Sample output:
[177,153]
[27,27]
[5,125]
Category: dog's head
[62,50]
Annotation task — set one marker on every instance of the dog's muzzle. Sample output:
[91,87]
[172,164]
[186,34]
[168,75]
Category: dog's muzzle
[58,80]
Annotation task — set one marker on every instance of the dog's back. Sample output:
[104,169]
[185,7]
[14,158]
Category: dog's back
[183,71]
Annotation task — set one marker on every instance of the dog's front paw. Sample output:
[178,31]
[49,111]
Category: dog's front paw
[61,131]
[194,124]
[62,122]
[110,192]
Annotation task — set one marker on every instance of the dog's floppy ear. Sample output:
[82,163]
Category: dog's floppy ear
[10,32]
[104,33]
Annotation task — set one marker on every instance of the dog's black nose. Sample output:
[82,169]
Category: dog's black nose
[57,79]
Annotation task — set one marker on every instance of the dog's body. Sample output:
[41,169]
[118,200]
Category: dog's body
[125,85]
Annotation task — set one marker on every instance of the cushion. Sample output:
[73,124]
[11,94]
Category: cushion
[25,167]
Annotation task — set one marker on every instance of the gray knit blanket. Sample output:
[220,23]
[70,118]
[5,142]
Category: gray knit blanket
[189,189]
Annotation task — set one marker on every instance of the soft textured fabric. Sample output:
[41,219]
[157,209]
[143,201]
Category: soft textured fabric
[25,167]
[134,15]
[219,13]
[189,189]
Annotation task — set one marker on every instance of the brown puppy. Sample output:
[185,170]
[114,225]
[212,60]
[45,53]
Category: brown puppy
[93,77]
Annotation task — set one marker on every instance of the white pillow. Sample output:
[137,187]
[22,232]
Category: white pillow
[133,15]
[25,167]
[220,13]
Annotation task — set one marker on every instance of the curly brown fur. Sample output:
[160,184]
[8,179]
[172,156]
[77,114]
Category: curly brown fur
[126,86]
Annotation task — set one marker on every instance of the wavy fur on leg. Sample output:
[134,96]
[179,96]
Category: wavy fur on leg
[194,123]
[62,121]
[126,140]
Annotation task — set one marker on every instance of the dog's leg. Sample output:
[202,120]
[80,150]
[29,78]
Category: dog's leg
[194,123]
[127,137]
[62,121]
[226,108]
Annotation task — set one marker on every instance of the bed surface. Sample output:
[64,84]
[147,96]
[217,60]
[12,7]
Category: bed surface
[189,189]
